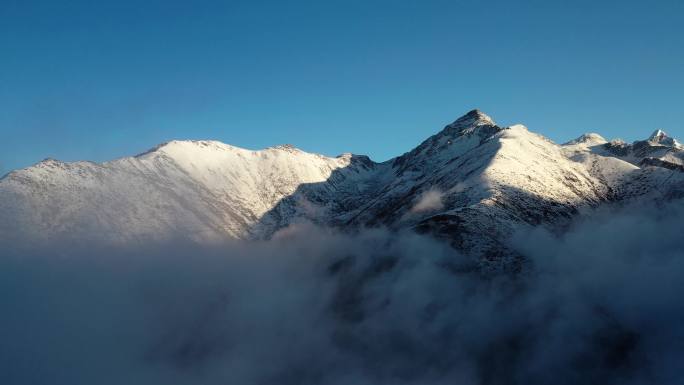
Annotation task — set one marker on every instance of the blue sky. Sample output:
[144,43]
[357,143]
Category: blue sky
[100,80]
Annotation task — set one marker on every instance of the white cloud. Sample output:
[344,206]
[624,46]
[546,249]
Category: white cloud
[430,200]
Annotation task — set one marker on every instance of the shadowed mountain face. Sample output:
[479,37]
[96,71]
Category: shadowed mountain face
[473,183]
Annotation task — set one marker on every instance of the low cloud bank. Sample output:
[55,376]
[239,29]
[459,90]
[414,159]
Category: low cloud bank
[600,305]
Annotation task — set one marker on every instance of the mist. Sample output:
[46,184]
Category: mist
[598,305]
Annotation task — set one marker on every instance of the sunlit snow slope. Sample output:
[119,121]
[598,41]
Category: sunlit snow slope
[473,183]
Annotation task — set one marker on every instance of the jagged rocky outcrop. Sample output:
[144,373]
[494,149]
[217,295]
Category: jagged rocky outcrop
[473,183]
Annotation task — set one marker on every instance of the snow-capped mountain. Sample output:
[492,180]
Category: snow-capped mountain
[203,190]
[659,149]
[473,183]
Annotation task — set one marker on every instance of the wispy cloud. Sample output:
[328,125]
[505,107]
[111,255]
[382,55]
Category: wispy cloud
[430,200]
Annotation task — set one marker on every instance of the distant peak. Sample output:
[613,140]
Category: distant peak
[518,127]
[175,146]
[49,162]
[590,138]
[660,137]
[285,147]
[657,136]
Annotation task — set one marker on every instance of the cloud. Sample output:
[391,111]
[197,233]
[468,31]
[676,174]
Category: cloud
[313,306]
[430,200]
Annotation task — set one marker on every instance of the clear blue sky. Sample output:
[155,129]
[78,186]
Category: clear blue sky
[99,80]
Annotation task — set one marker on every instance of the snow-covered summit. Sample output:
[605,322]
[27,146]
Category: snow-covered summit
[473,118]
[657,136]
[469,123]
[661,138]
[658,150]
[588,139]
[457,138]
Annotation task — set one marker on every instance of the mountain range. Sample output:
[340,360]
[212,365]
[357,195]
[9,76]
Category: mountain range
[474,184]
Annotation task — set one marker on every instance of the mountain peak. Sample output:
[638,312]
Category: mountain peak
[660,137]
[464,133]
[657,135]
[285,147]
[474,121]
[469,124]
[474,117]
[188,147]
[589,138]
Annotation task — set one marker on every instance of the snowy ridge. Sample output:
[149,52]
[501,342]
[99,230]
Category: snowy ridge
[202,189]
[472,183]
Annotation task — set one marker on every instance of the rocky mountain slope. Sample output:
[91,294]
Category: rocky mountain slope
[473,183]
